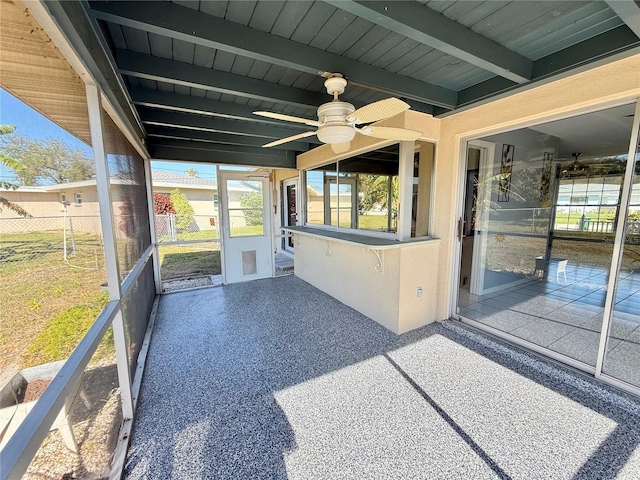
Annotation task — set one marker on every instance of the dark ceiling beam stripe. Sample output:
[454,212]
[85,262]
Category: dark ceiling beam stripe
[426,26]
[84,34]
[629,13]
[221,138]
[614,41]
[223,154]
[179,73]
[183,23]
[148,97]
[211,124]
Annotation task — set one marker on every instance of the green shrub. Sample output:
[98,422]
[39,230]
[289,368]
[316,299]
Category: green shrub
[253,204]
[184,210]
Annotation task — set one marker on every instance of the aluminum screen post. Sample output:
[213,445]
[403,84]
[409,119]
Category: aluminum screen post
[152,227]
[110,249]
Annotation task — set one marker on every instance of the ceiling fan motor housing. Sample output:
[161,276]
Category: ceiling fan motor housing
[333,125]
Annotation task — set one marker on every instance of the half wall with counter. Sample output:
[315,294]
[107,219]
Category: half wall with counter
[392,282]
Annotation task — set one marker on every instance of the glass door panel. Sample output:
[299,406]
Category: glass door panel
[245,204]
[622,359]
[544,211]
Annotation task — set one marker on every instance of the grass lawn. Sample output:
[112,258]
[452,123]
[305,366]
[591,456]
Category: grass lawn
[373,222]
[42,297]
[211,234]
[517,253]
[180,261]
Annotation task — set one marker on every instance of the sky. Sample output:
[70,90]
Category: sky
[32,124]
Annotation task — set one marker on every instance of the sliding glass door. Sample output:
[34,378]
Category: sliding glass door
[622,343]
[549,211]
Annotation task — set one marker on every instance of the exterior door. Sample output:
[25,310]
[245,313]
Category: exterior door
[246,231]
[290,209]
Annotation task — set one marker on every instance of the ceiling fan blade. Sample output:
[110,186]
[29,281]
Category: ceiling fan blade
[391,133]
[378,110]
[289,139]
[340,147]
[287,118]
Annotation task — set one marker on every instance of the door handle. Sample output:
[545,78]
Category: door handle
[460,228]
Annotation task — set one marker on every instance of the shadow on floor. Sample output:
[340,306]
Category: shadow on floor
[275,379]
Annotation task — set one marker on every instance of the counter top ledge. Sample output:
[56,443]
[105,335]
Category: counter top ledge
[363,241]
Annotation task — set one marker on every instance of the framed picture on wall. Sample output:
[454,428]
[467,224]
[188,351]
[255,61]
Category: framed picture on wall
[506,167]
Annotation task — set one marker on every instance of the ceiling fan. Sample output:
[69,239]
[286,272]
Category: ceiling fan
[338,122]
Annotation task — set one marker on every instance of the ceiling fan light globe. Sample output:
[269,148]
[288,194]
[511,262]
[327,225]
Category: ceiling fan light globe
[336,133]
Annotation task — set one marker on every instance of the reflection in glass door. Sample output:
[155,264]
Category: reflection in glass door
[546,206]
[622,343]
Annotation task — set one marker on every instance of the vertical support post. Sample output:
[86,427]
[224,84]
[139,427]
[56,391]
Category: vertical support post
[155,257]
[425,180]
[618,245]
[109,239]
[301,198]
[405,190]
[222,222]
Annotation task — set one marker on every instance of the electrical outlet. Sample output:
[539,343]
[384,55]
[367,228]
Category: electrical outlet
[419,293]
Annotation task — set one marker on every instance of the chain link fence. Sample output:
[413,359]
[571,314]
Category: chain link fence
[189,250]
[525,221]
[76,240]
[176,228]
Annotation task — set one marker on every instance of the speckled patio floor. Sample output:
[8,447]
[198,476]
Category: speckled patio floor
[275,379]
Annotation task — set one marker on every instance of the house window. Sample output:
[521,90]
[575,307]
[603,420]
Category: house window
[63,198]
[78,198]
[363,192]
[215,201]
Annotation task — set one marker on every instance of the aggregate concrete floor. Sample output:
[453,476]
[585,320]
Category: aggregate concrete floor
[275,379]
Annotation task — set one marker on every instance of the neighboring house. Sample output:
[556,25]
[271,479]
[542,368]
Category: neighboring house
[201,193]
[47,200]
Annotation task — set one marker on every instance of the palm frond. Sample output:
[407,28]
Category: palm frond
[12,206]
[5,129]
[12,163]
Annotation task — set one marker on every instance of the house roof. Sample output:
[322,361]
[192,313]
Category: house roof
[187,76]
[162,178]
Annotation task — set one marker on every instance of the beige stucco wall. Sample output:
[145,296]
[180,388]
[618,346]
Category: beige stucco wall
[419,268]
[38,204]
[350,274]
[47,204]
[47,212]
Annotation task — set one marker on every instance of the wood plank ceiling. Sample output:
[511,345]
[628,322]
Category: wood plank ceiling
[195,71]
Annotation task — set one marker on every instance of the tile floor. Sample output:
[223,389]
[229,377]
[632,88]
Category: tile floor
[566,316]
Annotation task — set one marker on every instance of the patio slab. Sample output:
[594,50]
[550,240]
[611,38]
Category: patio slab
[275,379]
